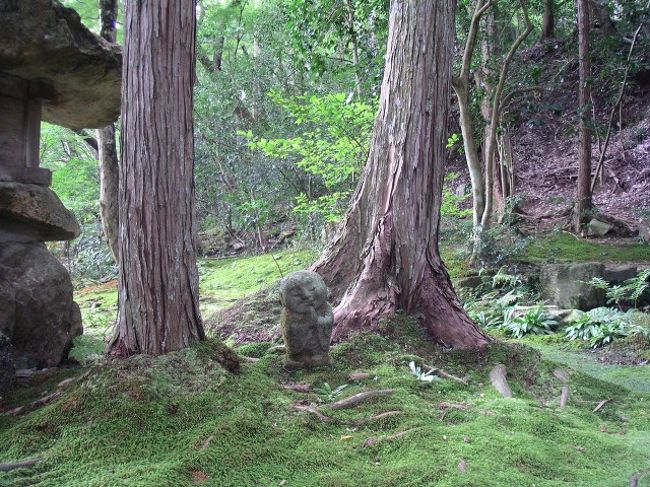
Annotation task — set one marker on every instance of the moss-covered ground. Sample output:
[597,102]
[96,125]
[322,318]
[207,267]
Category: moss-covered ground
[222,282]
[183,420]
[565,247]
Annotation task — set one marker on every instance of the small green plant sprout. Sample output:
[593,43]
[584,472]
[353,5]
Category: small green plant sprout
[327,394]
[536,321]
[421,374]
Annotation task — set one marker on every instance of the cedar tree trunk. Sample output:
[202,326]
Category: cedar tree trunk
[158,282]
[583,196]
[107,148]
[393,221]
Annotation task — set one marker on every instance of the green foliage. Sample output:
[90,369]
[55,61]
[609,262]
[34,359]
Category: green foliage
[451,202]
[327,394]
[331,145]
[535,322]
[627,293]
[599,326]
[564,247]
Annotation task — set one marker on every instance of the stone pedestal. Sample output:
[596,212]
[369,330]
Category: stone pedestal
[37,312]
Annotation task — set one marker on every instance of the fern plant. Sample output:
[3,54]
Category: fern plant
[629,292]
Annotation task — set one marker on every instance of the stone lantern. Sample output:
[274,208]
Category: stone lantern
[52,68]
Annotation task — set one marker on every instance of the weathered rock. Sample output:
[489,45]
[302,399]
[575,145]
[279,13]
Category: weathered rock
[617,273]
[307,320]
[36,210]
[468,282]
[564,285]
[597,228]
[644,231]
[43,319]
[7,366]
[42,39]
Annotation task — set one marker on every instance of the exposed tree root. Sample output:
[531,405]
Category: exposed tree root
[61,387]
[7,467]
[634,479]
[352,401]
[373,441]
[314,411]
[498,379]
[304,388]
[564,396]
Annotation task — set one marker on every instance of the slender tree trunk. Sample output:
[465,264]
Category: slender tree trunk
[583,196]
[158,282]
[398,200]
[548,20]
[107,148]
[461,85]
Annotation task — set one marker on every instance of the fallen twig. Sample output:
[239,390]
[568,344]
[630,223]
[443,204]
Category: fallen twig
[600,405]
[352,401]
[7,467]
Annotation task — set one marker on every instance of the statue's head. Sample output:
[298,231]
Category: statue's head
[302,291]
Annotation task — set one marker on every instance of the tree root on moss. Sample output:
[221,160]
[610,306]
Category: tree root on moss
[314,411]
[373,441]
[7,467]
[499,381]
[40,402]
[634,479]
[352,401]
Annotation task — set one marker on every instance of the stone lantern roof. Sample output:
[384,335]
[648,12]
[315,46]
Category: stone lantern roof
[43,40]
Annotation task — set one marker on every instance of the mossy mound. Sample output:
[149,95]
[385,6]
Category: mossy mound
[183,420]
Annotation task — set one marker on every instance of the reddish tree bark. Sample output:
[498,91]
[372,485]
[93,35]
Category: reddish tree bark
[387,248]
[583,194]
[158,282]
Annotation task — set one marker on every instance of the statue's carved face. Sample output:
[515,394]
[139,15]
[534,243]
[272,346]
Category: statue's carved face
[302,298]
[304,292]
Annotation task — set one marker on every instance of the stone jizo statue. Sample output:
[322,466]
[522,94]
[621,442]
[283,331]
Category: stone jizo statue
[307,320]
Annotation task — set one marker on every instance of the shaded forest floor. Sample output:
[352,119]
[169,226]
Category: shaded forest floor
[183,420]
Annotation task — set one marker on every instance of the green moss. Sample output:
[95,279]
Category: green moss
[564,247]
[170,420]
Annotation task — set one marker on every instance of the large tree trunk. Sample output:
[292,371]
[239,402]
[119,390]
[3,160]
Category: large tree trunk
[583,196]
[107,148]
[395,213]
[158,282]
